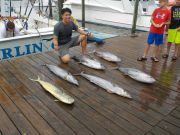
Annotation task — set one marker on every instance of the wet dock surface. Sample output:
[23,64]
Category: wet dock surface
[25,107]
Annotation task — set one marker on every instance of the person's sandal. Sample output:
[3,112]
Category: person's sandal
[141,59]
[165,56]
[154,59]
[174,58]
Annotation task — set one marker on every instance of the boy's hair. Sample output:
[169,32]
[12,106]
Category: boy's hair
[10,25]
[66,10]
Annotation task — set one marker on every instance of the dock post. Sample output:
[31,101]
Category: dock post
[83,13]
[60,6]
[50,10]
[133,30]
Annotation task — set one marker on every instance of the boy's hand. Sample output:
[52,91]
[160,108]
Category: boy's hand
[178,29]
[160,25]
[156,25]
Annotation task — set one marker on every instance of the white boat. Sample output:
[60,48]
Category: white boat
[114,12]
[23,45]
[36,41]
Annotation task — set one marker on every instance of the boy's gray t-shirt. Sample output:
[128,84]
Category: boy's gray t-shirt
[64,32]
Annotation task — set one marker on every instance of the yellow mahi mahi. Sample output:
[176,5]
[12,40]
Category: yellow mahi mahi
[59,94]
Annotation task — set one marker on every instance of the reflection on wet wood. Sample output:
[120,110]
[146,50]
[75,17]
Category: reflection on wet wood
[26,108]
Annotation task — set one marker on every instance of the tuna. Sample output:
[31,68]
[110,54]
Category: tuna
[62,74]
[137,75]
[91,63]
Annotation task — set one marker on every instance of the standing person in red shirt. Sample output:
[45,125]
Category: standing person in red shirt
[159,18]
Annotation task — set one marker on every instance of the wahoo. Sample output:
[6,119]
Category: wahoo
[91,63]
[110,87]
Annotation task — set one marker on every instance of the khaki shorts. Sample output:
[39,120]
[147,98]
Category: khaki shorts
[64,49]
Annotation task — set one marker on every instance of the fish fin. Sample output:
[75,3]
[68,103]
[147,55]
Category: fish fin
[91,52]
[109,91]
[44,65]
[113,68]
[36,80]
[78,74]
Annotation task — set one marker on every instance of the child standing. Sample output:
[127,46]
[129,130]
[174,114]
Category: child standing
[174,31]
[160,17]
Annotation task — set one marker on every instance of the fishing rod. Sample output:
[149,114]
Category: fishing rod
[39,7]
[41,40]
[20,9]
[42,4]
[32,6]
[26,7]
[10,7]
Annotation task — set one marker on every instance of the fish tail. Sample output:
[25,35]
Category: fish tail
[91,52]
[113,68]
[36,80]
[78,74]
[44,65]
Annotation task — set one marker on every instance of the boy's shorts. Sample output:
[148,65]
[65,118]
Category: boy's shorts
[154,38]
[64,49]
[174,36]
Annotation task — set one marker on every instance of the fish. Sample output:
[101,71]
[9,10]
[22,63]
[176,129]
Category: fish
[137,75]
[56,92]
[107,56]
[91,63]
[62,74]
[107,85]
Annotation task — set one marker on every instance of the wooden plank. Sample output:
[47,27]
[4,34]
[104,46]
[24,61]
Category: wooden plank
[172,120]
[169,127]
[175,114]
[159,131]
[19,120]
[145,117]
[6,125]
[89,110]
[36,120]
[57,125]
[118,111]
[69,120]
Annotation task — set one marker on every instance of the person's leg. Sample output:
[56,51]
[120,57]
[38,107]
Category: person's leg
[150,40]
[156,51]
[177,45]
[158,41]
[83,42]
[64,53]
[176,49]
[146,50]
[168,48]
[65,59]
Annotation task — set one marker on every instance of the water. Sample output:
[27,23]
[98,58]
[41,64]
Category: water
[108,29]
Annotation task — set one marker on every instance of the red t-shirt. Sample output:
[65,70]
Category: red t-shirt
[160,16]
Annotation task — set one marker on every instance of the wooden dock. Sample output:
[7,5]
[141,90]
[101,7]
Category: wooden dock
[27,109]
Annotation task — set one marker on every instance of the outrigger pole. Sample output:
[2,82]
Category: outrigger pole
[10,8]
[32,4]
[26,8]
[20,10]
